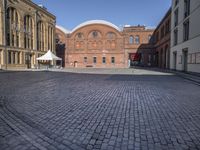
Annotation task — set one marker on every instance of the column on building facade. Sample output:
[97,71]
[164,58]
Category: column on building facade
[29,31]
[22,58]
[51,38]
[16,57]
[14,23]
[54,40]
[1,25]
[35,32]
[48,37]
[35,19]
[0,58]
[11,56]
[45,37]
[9,27]
[160,58]
[163,59]
[167,57]
[40,36]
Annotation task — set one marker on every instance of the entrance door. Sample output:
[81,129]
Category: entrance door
[28,60]
[185,59]
[157,59]
[75,64]
[134,59]
[174,59]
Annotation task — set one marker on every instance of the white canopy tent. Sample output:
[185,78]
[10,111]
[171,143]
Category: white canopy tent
[49,56]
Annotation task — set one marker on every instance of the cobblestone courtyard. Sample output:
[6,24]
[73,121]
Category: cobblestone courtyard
[49,110]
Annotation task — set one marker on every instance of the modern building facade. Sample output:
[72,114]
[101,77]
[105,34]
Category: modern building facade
[161,40]
[185,35]
[101,44]
[27,31]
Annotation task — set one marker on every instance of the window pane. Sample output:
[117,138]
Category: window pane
[137,39]
[94,60]
[104,60]
[131,40]
[113,60]
[85,59]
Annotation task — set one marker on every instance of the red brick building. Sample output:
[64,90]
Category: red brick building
[161,37]
[101,44]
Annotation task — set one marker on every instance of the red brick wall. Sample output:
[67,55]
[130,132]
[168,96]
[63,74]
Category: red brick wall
[162,44]
[82,43]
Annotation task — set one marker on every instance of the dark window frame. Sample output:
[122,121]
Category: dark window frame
[94,60]
[175,37]
[186,30]
[113,60]
[104,60]
[176,13]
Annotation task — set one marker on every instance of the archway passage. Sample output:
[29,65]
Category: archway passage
[134,59]
[75,64]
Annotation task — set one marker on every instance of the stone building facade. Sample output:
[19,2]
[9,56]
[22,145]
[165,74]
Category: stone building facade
[101,44]
[185,36]
[27,31]
[161,40]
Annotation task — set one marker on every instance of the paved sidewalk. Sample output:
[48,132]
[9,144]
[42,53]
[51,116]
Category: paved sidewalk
[194,77]
[112,71]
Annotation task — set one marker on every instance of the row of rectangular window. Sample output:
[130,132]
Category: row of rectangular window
[186,29]
[186,12]
[28,43]
[103,60]
[164,31]
[132,40]
[12,57]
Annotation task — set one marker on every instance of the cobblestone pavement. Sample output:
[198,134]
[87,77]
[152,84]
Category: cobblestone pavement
[49,110]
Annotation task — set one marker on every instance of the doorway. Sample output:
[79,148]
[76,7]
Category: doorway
[185,59]
[75,64]
[174,60]
[28,60]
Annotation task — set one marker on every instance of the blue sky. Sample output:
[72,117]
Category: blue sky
[71,13]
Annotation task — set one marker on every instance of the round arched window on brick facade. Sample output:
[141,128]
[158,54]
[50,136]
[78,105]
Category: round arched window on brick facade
[111,35]
[137,39]
[131,39]
[94,35]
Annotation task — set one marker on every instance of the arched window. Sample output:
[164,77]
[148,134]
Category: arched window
[95,34]
[137,39]
[111,35]
[131,39]
[28,32]
[13,27]
[79,36]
